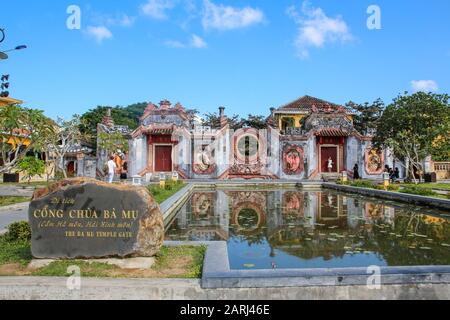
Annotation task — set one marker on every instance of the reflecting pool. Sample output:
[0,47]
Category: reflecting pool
[319,229]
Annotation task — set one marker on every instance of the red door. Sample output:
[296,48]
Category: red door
[163,159]
[71,169]
[328,152]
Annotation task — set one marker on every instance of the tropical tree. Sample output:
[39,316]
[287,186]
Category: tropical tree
[66,135]
[125,116]
[21,130]
[31,166]
[411,127]
[213,120]
[111,142]
[367,115]
[441,148]
[254,121]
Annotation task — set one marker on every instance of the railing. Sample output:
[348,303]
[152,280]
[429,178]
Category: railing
[442,170]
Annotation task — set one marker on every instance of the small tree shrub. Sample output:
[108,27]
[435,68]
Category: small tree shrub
[19,231]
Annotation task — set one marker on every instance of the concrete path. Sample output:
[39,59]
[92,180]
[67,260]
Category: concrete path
[16,191]
[31,288]
[11,214]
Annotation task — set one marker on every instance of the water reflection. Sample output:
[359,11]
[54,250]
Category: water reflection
[292,229]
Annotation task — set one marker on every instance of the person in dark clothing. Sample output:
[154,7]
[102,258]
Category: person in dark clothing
[392,175]
[356,172]
[397,173]
[124,173]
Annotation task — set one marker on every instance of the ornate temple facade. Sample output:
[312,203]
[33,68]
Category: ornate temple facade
[307,139]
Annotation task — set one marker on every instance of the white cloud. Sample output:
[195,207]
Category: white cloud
[175,44]
[424,85]
[111,20]
[126,21]
[197,42]
[99,33]
[156,9]
[223,17]
[316,28]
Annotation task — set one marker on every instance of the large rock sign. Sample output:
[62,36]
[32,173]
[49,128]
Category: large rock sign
[85,218]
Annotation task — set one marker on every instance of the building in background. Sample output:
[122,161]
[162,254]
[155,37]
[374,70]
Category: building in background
[307,139]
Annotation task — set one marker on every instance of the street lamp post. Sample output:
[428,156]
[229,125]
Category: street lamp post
[3,55]
[2,36]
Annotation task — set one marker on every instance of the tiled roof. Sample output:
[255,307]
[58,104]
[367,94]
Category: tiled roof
[160,131]
[308,103]
[165,109]
[331,132]
[78,148]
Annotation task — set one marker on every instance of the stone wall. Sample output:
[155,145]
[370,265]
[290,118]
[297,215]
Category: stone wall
[87,167]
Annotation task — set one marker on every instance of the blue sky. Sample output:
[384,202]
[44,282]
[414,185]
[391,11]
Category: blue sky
[245,55]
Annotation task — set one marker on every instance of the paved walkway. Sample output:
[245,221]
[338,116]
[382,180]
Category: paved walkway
[16,191]
[26,288]
[11,214]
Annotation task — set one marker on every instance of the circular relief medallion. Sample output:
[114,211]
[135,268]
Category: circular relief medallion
[293,160]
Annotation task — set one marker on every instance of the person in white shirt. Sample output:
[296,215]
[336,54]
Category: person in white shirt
[111,169]
[330,164]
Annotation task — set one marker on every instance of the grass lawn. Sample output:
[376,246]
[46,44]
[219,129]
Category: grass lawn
[430,186]
[162,195]
[6,200]
[426,189]
[171,262]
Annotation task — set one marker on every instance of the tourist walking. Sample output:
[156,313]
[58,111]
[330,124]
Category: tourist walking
[356,172]
[111,169]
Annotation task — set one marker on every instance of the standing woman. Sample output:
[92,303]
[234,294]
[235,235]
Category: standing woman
[356,172]
[330,165]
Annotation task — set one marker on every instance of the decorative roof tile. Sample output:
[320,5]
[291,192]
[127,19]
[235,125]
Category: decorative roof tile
[332,132]
[311,104]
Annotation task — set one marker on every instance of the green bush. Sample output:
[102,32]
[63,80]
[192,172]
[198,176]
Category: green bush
[19,231]
[363,184]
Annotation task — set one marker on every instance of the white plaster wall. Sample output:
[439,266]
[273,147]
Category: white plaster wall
[184,154]
[273,160]
[137,155]
[223,150]
[353,154]
[312,154]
